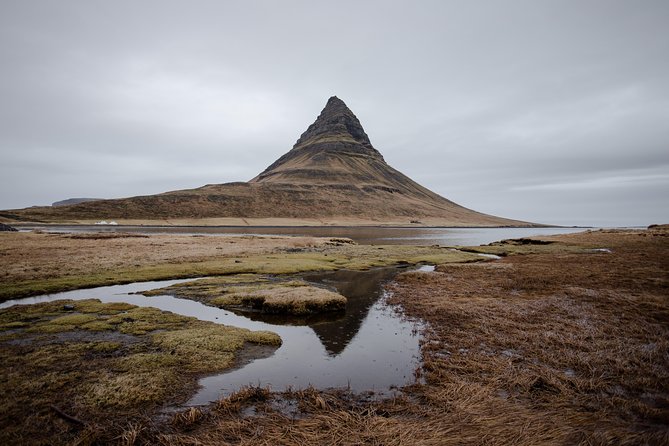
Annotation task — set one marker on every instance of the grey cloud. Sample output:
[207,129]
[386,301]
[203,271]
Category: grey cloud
[501,106]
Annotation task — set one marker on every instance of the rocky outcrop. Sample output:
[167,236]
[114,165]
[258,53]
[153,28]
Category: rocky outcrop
[6,228]
[336,119]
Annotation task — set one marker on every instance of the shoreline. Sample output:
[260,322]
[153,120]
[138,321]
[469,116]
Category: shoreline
[315,226]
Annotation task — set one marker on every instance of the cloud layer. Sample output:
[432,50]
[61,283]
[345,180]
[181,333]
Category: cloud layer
[551,111]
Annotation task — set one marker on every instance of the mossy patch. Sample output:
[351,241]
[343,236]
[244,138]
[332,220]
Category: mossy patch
[293,297]
[131,389]
[105,364]
[211,348]
[526,246]
[258,293]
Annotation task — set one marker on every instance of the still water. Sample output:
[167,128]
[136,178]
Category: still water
[363,235]
[370,347]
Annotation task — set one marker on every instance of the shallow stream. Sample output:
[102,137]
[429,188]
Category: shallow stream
[370,347]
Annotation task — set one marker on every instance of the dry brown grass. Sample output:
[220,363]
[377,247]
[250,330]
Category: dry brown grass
[573,346]
[35,256]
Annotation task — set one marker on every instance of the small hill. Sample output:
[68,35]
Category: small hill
[70,201]
[332,176]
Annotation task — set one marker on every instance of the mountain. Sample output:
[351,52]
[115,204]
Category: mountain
[70,201]
[332,175]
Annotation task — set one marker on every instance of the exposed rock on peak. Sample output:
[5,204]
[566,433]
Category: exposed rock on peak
[325,151]
[336,122]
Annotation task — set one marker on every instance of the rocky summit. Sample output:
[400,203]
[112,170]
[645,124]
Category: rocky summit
[333,175]
[327,152]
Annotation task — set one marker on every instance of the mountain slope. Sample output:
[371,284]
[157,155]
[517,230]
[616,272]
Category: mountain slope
[332,175]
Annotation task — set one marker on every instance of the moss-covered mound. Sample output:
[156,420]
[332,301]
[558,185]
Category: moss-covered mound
[252,292]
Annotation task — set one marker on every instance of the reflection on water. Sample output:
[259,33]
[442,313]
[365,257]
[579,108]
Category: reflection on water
[369,347]
[362,289]
[364,235]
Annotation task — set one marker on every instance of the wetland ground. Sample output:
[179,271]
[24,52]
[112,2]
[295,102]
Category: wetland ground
[555,343]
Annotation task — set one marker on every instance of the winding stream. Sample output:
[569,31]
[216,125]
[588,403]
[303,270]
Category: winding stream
[369,348]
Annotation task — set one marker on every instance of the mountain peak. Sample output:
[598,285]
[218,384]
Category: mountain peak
[336,123]
[329,152]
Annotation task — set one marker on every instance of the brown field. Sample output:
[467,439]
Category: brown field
[561,343]
[39,263]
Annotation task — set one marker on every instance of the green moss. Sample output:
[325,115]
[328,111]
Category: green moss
[98,325]
[292,297]
[111,381]
[147,361]
[142,320]
[131,389]
[211,348]
[13,325]
[510,248]
[45,356]
[73,319]
[50,328]
[95,306]
[279,296]
[106,347]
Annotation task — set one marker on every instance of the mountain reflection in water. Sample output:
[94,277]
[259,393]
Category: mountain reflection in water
[362,289]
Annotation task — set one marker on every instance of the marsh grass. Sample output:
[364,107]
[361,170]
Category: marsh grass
[47,263]
[285,299]
[571,342]
[105,364]
[248,292]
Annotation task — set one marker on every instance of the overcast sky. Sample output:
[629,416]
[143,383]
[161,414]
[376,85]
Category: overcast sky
[547,111]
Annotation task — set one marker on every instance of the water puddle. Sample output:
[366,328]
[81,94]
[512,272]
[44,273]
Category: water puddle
[426,268]
[369,348]
[488,256]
